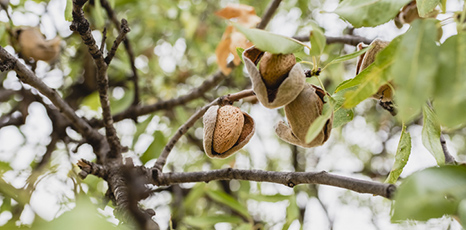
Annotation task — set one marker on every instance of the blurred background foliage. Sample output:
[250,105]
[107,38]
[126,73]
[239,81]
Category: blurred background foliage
[174,46]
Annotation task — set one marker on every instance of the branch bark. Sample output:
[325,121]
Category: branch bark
[81,25]
[347,39]
[289,179]
[27,76]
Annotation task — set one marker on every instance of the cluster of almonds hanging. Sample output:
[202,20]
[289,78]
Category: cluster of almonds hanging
[279,81]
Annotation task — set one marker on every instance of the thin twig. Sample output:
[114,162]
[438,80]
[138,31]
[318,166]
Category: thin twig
[81,25]
[104,38]
[161,160]
[124,29]
[289,179]
[111,14]
[273,6]
[167,104]
[449,159]
[347,39]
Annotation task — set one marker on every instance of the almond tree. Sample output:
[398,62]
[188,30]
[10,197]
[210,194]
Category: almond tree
[126,84]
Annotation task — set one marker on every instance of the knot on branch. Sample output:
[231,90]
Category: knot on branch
[79,24]
[157,177]
[391,189]
[124,26]
[88,167]
[7,64]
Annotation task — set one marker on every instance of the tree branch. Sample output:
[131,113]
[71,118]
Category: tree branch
[449,159]
[167,104]
[195,93]
[273,6]
[124,29]
[289,179]
[111,14]
[347,39]
[161,160]
[81,25]
[27,76]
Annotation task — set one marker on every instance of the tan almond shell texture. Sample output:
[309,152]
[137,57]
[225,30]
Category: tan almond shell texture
[301,113]
[210,120]
[288,90]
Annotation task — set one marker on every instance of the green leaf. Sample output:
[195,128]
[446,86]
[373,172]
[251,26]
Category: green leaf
[194,195]
[292,212]
[450,99]
[205,222]
[401,158]
[69,10]
[319,123]
[240,51]
[3,40]
[371,78]
[229,201]
[431,135]
[424,7]
[341,115]
[443,5]
[369,13]
[97,15]
[348,56]
[430,193]
[83,216]
[415,67]
[245,227]
[318,40]
[92,101]
[271,42]
[462,213]
[155,148]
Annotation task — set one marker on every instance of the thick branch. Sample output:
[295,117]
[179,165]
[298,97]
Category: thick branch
[286,178]
[186,126]
[27,76]
[167,104]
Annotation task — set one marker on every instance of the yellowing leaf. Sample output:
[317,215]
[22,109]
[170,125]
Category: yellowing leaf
[244,15]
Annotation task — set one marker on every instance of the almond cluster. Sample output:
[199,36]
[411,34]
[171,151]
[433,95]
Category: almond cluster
[277,81]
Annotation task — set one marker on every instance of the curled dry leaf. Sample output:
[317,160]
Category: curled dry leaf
[231,39]
[33,45]
[301,113]
[279,88]
[226,130]
[385,92]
